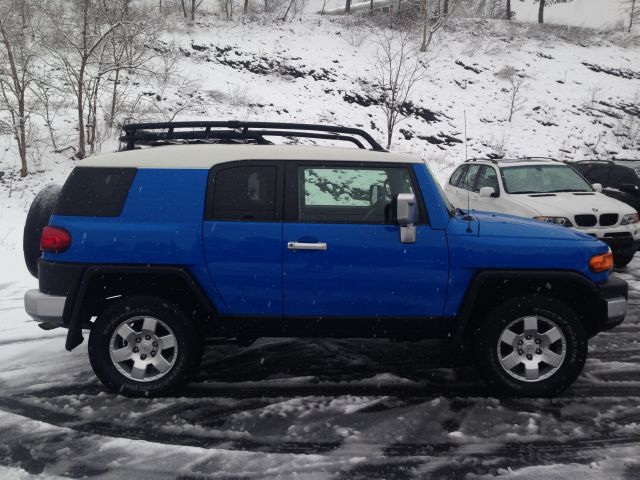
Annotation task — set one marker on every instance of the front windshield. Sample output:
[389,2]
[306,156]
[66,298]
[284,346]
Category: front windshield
[543,179]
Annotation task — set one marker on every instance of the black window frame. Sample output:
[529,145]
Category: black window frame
[291,189]
[466,172]
[279,192]
[460,169]
[475,184]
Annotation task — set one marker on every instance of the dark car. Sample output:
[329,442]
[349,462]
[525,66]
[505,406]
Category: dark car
[620,179]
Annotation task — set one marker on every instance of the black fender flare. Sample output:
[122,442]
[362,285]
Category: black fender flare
[76,313]
[554,280]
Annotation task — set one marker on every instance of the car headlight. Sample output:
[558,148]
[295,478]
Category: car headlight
[630,218]
[564,221]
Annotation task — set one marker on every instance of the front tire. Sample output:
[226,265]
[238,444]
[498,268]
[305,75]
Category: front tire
[622,259]
[144,347]
[530,346]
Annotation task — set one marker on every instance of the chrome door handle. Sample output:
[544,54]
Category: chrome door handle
[306,246]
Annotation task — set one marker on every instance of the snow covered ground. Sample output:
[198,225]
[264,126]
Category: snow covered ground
[336,408]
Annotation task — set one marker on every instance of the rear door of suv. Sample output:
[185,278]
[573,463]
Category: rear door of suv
[342,252]
[242,235]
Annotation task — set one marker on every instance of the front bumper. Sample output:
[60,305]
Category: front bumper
[620,238]
[613,301]
[44,308]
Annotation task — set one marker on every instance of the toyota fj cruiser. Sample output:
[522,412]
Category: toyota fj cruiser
[155,249]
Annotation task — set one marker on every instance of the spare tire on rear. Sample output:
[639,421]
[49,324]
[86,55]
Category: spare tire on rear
[37,218]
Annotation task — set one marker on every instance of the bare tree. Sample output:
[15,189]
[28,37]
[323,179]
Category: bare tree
[433,18]
[397,70]
[541,11]
[545,3]
[508,9]
[347,7]
[16,62]
[190,8]
[633,13]
[516,81]
[79,30]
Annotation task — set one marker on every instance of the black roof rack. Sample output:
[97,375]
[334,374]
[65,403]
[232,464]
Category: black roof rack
[507,160]
[233,131]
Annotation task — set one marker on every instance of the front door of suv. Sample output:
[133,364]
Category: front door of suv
[342,252]
[242,236]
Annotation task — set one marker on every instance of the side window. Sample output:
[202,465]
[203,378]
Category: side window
[487,177]
[245,193]
[455,178]
[349,195]
[622,175]
[469,178]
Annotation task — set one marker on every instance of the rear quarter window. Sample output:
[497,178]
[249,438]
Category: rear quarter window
[95,192]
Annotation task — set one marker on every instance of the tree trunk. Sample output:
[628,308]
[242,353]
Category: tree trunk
[184,9]
[114,99]
[80,98]
[445,8]
[371,7]
[193,10]
[508,9]
[246,6]
[22,141]
[541,12]
[632,14]
[347,8]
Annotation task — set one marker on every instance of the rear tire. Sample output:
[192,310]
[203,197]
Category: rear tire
[144,347]
[530,346]
[37,218]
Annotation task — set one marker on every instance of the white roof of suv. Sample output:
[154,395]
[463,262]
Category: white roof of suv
[204,156]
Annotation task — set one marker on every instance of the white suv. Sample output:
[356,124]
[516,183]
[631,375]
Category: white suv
[547,190]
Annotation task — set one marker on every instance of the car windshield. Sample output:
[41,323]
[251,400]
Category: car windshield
[543,179]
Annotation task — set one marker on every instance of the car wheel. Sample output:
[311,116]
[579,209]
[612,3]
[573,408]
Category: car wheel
[144,347]
[37,218]
[622,259]
[530,346]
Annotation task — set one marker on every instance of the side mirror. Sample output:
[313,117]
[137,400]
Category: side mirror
[597,187]
[487,192]
[376,193]
[405,208]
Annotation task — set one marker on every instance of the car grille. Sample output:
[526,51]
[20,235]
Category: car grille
[608,219]
[586,220]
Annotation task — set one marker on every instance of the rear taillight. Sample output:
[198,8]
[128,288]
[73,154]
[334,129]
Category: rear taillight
[54,239]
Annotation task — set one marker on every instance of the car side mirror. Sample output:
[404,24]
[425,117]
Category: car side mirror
[487,192]
[597,187]
[376,193]
[405,208]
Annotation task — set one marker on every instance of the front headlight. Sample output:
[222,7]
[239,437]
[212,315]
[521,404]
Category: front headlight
[564,221]
[630,218]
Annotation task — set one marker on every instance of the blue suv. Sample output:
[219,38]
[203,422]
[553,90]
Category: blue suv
[218,232]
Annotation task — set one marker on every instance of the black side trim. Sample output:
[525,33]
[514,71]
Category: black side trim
[77,311]
[411,328]
[95,192]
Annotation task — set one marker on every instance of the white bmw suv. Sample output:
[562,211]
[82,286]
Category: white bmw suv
[547,190]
